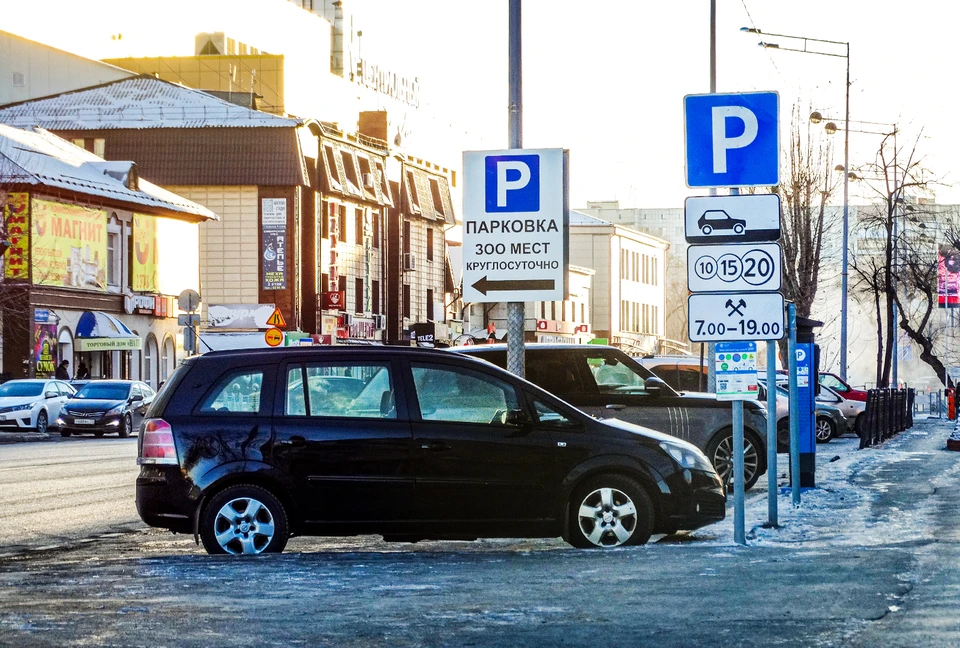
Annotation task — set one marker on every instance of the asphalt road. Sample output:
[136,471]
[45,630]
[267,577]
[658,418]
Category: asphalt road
[59,492]
[819,583]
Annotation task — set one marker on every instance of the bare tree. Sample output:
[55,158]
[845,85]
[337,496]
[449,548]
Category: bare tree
[805,190]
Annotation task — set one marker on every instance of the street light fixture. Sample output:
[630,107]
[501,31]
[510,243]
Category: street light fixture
[846,165]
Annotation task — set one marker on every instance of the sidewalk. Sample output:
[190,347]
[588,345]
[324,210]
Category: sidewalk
[20,437]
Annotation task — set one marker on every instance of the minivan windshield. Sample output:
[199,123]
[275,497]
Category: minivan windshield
[20,389]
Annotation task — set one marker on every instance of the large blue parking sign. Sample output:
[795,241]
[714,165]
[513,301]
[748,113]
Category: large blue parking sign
[512,183]
[732,140]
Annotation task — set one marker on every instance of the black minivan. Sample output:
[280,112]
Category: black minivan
[245,448]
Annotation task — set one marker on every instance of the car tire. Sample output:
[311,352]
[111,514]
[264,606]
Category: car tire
[124,430]
[43,423]
[738,228]
[720,454]
[609,511]
[707,230]
[825,430]
[65,433]
[858,424]
[244,520]
[783,435]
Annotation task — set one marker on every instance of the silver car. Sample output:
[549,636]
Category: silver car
[852,410]
[605,382]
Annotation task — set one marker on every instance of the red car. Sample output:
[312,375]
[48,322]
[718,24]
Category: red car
[840,386]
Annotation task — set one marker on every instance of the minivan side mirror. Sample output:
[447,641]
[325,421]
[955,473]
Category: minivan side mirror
[654,386]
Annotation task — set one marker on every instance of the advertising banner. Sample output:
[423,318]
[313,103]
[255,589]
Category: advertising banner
[145,254]
[273,227]
[239,316]
[948,276]
[44,343]
[16,214]
[69,245]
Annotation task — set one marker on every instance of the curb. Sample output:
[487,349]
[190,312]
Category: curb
[22,437]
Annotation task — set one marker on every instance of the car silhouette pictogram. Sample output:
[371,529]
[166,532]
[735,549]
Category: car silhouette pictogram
[717,219]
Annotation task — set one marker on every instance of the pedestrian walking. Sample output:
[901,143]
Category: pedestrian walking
[82,372]
[63,371]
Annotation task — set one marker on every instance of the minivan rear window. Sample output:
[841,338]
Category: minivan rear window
[169,387]
[236,393]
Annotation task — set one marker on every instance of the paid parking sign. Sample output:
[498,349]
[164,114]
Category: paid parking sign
[732,140]
[515,225]
[736,369]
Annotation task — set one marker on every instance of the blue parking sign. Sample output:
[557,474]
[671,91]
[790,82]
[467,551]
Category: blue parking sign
[732,140]
[512,183]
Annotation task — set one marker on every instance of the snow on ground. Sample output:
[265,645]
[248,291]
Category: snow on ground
[838,512]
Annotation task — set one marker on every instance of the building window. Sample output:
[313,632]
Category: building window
[342,224]
[437,196]
[366,177]
[375,223]
[358,218]
[358,293]
[406,301]
[656,271]
[342,287]
[375,288]
[429,304]
[384,185]
[332,174]
[429,244]
[99,147]
[406,237]
[78,142]
[114,252]
[150,357]
[414,196]
[350,171]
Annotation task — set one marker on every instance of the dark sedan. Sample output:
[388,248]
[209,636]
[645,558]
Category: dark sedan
[106,406]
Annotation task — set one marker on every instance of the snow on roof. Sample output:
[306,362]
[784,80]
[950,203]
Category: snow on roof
[37,157]
[137,103]
[579,218]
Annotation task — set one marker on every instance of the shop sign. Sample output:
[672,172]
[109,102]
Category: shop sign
[239,316]
[328,326]
[44,343]
[108,344]
[361,329]
[69,245]
[273,227]
[423,333]
[555,339]
[16,215]
[145,262]
[555,326]
[334,300]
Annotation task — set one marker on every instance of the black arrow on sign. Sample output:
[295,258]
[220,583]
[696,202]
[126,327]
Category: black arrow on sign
[484,285]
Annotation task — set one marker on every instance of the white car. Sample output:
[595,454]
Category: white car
[32,404]
[852,410]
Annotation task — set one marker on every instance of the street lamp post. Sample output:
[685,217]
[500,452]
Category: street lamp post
[844,264]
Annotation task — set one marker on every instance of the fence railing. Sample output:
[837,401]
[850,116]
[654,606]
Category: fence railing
[932,403]
[888,412]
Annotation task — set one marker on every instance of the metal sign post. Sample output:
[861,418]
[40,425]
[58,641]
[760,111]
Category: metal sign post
[794,404]
[772,434]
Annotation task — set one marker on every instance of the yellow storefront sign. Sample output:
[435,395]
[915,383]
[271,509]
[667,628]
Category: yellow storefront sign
[16,214]
[145,254]
[69,246]
[108,344]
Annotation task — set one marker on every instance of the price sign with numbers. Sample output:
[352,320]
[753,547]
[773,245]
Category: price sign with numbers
[743,268]
[718,317]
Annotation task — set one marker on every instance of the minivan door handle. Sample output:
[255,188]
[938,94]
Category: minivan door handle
[435,446]
[615,406]
[295,441]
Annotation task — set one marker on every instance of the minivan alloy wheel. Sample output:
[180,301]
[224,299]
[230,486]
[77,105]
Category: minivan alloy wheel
[609,512]
[244,520]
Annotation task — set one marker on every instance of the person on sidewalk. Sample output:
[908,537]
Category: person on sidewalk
[63,371]
[82,372]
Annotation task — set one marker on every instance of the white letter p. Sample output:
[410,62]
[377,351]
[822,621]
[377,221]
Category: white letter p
[721,143]
[504,185]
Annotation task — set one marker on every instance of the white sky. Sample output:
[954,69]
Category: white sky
[606,79]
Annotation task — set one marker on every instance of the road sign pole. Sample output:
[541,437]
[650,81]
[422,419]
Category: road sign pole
[515,310]
[739,535]
[772,434]
[794,404]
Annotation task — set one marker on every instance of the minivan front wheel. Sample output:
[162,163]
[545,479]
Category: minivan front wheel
[245,520]
[609,511]
[720,453]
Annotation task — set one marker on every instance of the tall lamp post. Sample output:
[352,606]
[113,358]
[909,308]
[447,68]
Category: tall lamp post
[846,166]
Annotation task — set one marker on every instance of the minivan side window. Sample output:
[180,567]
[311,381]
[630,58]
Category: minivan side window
[614,376]
[462,395]
[338,389]
[237,392]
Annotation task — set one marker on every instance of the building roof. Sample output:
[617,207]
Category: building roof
[578,219]
[139,103]
[39,158]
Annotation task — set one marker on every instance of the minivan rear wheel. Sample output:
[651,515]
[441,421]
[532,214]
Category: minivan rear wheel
[244,520]
[609,511]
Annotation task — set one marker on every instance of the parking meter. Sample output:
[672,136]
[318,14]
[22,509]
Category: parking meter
[807,388]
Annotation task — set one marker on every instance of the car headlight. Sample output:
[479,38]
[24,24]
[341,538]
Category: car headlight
[25,406]
[687,456]
[116,411]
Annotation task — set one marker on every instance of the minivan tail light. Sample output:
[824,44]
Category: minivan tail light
[156,443]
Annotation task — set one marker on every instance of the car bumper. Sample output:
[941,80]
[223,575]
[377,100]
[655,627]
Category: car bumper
[164,498]
[103,424]
[22,420]
[698,503]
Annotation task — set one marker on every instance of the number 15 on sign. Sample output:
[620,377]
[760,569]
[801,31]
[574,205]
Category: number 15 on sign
[721,317]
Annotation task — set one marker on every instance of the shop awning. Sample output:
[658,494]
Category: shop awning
[99,331]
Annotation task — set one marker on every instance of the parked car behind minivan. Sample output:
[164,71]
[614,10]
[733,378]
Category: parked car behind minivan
[246,448]
[605,382]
